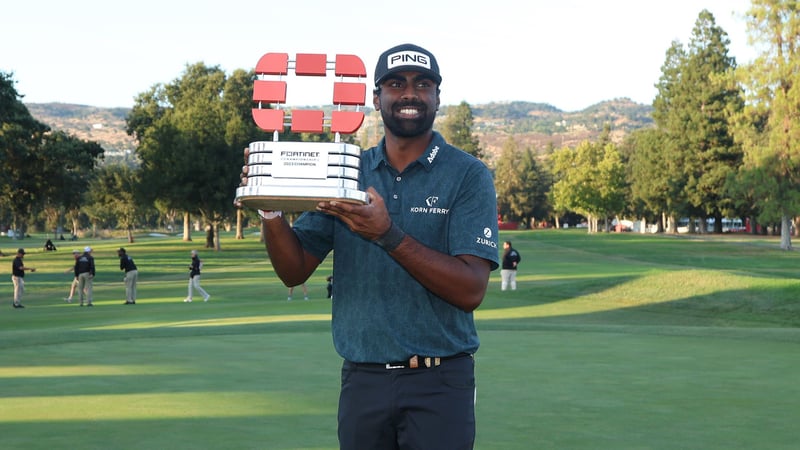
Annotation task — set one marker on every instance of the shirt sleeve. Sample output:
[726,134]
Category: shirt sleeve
[473,226]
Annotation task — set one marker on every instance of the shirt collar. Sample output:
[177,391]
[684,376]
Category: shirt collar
[429,156]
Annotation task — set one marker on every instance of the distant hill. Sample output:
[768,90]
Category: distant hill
[538,125]
[532,124]
[106,126]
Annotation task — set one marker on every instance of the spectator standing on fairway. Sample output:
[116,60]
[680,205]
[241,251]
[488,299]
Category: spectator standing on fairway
[74,269]
[329,279]
[84,267]
[131,275]
[194,278]
[18,277]
[508,273]
[412,265]
[291,291]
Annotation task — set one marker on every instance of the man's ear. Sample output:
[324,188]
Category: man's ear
[376,99]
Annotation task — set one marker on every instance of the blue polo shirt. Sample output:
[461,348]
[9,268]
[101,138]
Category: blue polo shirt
[446,201]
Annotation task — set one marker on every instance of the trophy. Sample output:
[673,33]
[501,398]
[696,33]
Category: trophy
[295,176]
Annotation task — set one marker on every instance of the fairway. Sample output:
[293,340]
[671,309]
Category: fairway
[612,341]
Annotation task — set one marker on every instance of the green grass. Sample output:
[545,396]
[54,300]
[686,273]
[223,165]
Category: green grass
[613,341]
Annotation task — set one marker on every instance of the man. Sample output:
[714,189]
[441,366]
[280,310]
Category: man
[74,269]
[84,267]
[508,272]
[194,278]
[411,266]
[131,276]
[18,277]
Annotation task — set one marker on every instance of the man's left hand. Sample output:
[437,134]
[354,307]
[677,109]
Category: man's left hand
[370,220]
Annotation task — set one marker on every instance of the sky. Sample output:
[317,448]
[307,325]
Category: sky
[570,54]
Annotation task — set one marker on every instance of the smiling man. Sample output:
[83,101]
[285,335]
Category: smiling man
[411,267]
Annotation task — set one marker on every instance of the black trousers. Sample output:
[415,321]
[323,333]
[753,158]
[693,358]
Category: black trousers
[423,408]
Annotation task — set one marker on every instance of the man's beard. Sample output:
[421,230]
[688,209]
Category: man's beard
[407,128]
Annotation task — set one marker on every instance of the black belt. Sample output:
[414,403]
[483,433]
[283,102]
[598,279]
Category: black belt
[415,362]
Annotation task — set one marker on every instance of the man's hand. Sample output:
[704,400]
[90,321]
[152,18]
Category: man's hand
[370,221]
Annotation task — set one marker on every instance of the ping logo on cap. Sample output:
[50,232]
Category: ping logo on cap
[408,58]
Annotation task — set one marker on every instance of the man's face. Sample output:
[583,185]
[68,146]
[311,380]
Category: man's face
[408,102]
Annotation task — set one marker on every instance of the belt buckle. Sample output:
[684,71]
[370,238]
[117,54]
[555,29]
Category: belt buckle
[414,363]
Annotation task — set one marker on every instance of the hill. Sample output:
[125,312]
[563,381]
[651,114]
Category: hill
[535,125]
[106,126]
[539,125]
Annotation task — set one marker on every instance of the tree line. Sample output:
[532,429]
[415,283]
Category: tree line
[723,144]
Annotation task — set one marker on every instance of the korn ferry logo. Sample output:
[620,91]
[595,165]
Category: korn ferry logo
[430,207]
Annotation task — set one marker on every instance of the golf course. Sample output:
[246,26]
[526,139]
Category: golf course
[611,341]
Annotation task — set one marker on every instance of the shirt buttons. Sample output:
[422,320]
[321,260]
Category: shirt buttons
[398,179]
[394,196]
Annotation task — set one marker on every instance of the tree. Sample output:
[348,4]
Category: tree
[769,127]
[667,106]
[714,99]
[40,170]
[20,135]
[191,133]
[692,110]
[645,169]
[113,196]
[590,181]
[457,129]
[68,169]
[521,184]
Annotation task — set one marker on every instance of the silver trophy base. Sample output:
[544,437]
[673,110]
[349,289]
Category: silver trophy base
[295,198]
[296,176]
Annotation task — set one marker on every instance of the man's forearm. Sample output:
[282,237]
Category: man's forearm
[292,264]
[459,280]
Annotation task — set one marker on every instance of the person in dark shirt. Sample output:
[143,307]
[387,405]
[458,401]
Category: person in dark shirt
[84,267]
[330,286]
[194,278]
[75,254]
[18,269]
[508,272]
[413,264]
[131,276]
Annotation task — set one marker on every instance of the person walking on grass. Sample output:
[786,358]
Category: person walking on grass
[131,275]
[194,278]
[413,264]
[18,270]
[84,267]
[74,285]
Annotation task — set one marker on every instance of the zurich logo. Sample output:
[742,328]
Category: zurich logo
[487,232]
